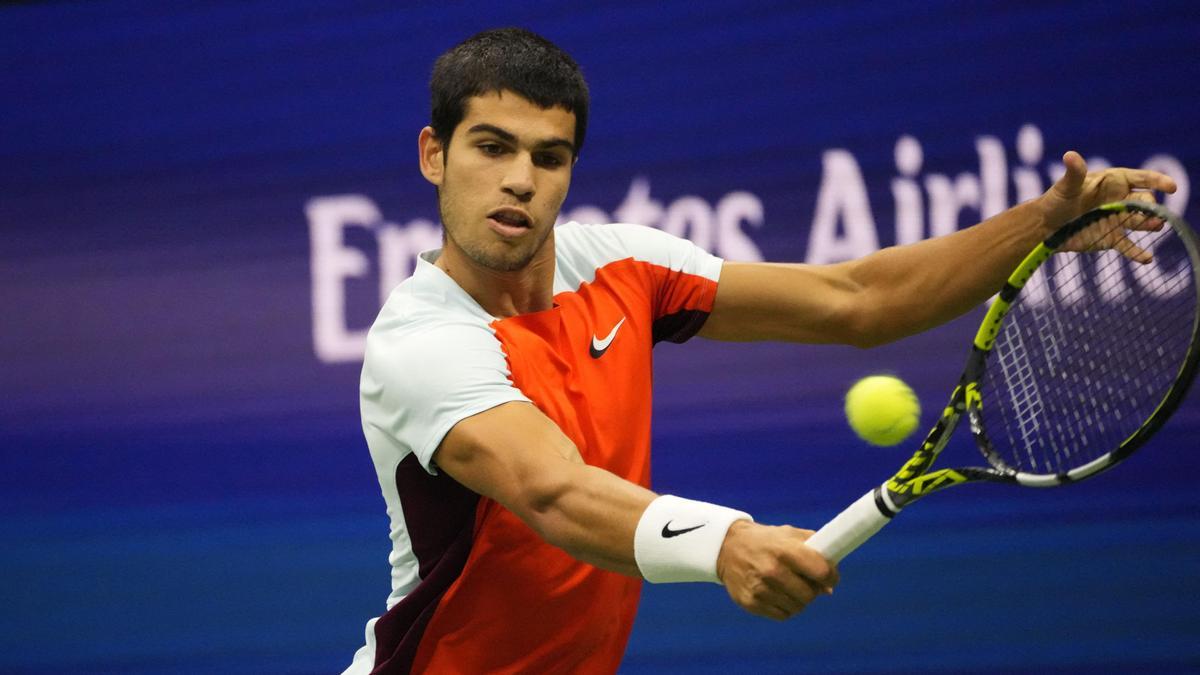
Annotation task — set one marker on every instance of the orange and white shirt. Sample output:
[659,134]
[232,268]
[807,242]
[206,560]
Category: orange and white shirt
[474,589]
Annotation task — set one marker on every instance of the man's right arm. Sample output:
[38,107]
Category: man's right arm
[517,456]
[514,454]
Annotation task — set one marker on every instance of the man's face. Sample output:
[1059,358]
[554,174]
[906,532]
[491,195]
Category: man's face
[503,178]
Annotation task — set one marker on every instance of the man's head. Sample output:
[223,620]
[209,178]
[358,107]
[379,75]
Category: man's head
[506,59]
[508,115]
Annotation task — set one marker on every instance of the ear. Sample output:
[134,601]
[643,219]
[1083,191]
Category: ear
[432,156]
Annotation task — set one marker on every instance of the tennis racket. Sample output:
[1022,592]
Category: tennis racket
[1080,360]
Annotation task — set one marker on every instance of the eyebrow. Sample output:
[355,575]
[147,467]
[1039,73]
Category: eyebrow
[510,137]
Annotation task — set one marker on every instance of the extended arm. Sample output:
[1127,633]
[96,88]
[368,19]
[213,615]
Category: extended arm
[517,456]
[520,458]
[904,290]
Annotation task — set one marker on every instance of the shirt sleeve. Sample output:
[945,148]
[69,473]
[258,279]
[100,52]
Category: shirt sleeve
[416,386]
[683,277]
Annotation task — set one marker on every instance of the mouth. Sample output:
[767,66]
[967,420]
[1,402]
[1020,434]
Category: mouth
[509,222]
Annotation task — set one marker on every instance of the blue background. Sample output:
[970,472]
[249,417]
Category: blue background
[184,483]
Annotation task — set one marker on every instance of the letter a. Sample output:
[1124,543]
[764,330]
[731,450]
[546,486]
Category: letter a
[842,196]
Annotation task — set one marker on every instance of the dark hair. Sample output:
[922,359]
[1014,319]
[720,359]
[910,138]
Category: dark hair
[506,58]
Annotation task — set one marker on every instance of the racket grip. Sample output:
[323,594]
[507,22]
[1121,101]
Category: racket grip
[850,528]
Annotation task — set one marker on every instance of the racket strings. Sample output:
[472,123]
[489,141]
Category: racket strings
[1089,348]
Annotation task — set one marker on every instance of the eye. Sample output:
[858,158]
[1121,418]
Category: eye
[491,148]
[550,160]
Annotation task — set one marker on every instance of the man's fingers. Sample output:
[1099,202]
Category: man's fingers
[1071,182]
[797,591]
[1132,251]
[1116,239]
[1075,164]
[771,573]
[776,598]
[772,612]
[1149,180]
[1141,196]
[812,566]
[1142,223]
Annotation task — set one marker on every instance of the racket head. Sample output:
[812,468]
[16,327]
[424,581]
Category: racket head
[1086,354]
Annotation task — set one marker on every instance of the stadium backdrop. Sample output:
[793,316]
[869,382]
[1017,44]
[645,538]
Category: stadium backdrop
[202,204]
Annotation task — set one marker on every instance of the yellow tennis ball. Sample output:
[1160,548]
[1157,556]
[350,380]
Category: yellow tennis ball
[882,409]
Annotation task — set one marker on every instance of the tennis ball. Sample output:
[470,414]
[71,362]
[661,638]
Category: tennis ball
[882,409]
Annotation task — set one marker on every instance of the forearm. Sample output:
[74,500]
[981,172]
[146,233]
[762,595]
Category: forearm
[591,514]
[515,455]
[876,299]
[909,289]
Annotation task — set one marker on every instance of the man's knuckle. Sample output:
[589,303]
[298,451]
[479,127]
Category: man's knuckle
[744,598]
[776,571]
[829,573]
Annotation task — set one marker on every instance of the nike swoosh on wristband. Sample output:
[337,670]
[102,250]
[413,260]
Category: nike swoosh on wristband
[667,532]
[598,347]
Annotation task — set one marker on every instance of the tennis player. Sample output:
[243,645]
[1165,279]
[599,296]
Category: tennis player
[506,387]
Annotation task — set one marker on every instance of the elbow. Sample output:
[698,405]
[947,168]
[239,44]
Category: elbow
[856,321]
[867,334]
[551,508]
[540,505]
[855,314]
[867,341]
[869,323]
[870,334]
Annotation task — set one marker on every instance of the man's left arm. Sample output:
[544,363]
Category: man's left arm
[903,290]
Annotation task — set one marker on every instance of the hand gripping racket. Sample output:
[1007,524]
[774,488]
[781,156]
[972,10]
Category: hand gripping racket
[1080,359]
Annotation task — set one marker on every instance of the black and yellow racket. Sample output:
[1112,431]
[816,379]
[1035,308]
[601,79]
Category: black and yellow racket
[1080,360]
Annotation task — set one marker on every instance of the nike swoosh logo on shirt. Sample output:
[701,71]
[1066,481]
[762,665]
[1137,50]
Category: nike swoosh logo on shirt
[598,347]
[667,532]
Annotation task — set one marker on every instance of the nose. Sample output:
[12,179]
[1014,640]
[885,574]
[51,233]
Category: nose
[518,178]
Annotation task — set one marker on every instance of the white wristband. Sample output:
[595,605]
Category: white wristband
[679,539]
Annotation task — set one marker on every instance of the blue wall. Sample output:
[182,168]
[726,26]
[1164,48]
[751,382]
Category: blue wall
[185,487]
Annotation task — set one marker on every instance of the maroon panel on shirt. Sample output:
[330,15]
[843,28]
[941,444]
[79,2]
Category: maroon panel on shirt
[440,515]
[678,327]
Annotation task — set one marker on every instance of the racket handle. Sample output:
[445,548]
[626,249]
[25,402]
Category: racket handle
[850,528]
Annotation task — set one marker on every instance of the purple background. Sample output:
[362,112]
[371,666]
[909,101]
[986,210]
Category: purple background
[185,485]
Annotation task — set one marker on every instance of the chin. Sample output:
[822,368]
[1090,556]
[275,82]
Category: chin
[503,261]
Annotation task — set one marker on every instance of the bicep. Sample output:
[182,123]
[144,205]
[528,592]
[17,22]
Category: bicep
[787,302]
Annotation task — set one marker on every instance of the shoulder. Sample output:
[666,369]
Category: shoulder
[417,335]
[427,308]
[428,365]
[581,249]
[616,240]
[428,326]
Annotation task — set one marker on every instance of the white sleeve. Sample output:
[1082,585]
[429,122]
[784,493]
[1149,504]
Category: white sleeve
[417,385]
[593,246]
[666,250]
[683,283]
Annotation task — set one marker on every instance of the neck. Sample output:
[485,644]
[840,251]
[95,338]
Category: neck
[504,294]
